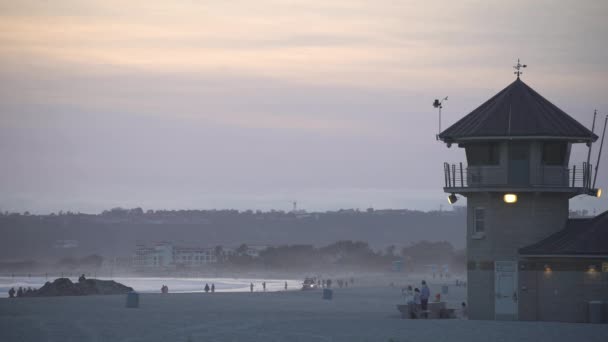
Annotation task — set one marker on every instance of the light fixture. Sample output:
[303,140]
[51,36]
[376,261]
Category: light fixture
[452,199]
[595,192]
[547,268]
[510,198]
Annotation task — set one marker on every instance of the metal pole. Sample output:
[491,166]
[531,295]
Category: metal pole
[590,144]
[439,121]
[573,174]
[600,153]
[461,178]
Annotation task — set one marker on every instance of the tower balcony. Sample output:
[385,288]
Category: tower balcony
[460,178]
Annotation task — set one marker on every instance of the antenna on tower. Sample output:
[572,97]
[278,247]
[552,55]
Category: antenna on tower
[600,152]
[588,168]
[439,104]
[518,67]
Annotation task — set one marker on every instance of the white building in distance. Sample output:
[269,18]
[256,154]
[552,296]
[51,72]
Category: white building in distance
[166,255]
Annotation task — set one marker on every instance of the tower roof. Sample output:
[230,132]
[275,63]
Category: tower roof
[517,112]
[580,237]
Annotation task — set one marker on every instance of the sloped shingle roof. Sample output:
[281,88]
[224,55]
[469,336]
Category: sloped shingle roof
[517,111]
[580,237]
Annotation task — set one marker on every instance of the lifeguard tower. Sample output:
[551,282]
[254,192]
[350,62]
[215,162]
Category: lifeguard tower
[517,180]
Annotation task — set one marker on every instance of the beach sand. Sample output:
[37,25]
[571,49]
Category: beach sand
[355,314]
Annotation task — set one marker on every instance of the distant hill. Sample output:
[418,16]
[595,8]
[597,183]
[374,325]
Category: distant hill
[117,231]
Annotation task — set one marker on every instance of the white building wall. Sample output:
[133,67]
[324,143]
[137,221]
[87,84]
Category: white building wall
[508,227]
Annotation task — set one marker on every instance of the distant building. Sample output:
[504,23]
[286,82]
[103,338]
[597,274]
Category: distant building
[254,250]
[165,255]
[518,183]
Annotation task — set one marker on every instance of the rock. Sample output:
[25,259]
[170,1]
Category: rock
[65,287]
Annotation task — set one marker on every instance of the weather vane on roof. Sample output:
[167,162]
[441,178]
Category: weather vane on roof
[518,67]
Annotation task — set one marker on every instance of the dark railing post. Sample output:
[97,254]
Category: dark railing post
[454,173]
[584,174]
[573,174]
[461,177]
[448,173]
[445,173]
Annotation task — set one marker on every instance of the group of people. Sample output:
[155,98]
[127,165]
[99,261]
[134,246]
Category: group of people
[461,283]
[212,288]
[21,292]
[418,300]
[251,286]
[416,297]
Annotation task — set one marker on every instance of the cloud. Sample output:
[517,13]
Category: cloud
[141,95]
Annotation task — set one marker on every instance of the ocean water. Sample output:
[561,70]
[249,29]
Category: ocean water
[176,285]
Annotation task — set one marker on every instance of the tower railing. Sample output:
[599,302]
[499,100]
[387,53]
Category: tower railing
[548,176]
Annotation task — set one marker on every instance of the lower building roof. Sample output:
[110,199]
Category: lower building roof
[581,237]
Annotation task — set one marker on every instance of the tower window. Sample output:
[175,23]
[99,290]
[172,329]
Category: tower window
[479,216]
[482,154]
[554,153]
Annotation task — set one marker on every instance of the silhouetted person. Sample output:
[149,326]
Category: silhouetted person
[285,286]
[212,288]
[251,287]
[425,293]
[11,293]
[20,292]
[463,311]
[264,286]
[414,303]
[207,288]
[81,278]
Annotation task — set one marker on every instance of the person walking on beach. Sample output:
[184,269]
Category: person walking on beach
[20,292]
[212,288]
[251,287]
[264,286]
[285,286]
[206,288]
[425,293]
[11,292]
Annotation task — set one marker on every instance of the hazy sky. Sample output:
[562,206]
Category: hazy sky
[253,104]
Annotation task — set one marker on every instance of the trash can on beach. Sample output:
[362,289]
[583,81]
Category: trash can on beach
[132,299]
[328,294]
[595,311]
